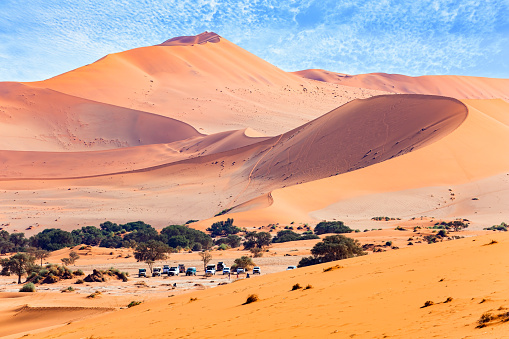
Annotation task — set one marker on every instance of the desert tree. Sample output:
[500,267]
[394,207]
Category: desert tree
[331,248]
[151,251]
[40,254]
[18,264]
[206,257]
[73,256]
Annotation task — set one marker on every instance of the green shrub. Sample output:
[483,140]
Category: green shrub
[133,303]
[28,288]
[223,247]
[78,273]
[79,281]
[332,227]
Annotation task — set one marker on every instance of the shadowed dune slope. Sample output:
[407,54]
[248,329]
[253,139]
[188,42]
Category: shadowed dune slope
[393,287]
[359,134]
[459,87]
[215,86]
[474,151]
[36,119]
[32,164]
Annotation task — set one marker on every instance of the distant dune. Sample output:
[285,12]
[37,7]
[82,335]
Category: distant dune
[36,119]
[197,125]
[459,87]
[215,86]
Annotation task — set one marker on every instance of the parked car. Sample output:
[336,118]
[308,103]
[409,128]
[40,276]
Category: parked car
[256,270]
[211,269]
[142,272]
[191,271]
[226,270]
[166,269]
[220,266]
[291,268]
[240,270]
[182,268]
[173,271]
[156,272]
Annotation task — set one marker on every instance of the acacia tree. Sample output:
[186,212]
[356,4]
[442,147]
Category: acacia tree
[40,254]
[331,248]
[151,251]
[206,257]
[73,256]
[256,242]
[18,264]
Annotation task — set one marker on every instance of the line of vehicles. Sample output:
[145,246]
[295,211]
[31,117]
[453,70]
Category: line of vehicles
[189,271]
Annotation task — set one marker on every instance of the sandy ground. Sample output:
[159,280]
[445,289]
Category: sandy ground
[50,307]
[369,297]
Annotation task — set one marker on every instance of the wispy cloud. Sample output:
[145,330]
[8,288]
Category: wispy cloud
[42,38]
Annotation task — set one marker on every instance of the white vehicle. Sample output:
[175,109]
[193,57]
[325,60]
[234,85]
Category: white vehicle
[291,268]
[226,270]
[156,272]
[211,269]
[240,270]
[166,269]
[173,271]
[257,270]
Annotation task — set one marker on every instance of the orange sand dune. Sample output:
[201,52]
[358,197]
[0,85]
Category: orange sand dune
[381,128]
[214,87]
[474,151]
[459,87]
[374,296]
[36,119]
[30,164]
[192,40]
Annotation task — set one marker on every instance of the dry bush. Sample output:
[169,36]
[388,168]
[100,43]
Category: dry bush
[332,268]
[428,303]
[448,300]
[94,295]
[296,287]
[251,299]
[308,287]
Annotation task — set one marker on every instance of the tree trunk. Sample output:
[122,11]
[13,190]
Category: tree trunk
[19,279]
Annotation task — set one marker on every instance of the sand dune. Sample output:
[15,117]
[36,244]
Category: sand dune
[372,296]
[192,40]
[36,119]
[33,164]
[215,87]
[474,151]
[459,87]
[381,128]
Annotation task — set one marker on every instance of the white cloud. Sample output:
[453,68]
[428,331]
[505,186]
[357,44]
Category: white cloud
[43,38]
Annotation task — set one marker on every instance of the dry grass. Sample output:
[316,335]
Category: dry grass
[332,268]
[428,303]
[296,287]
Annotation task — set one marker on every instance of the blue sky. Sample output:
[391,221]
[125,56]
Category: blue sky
[43,38]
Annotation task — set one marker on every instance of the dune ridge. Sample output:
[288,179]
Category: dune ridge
[214,87]
[455,86]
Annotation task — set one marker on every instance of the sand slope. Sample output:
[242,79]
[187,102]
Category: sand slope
[369,297]
[215,86]
[474,151]
[36,119]
[459,87]
[380,128]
